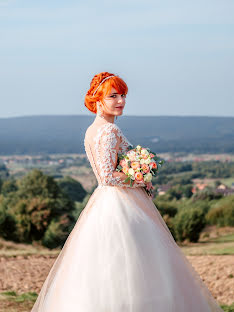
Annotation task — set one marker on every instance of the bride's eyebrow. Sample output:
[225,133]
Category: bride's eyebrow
[114,93]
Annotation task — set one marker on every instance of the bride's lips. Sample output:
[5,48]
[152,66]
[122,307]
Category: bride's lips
[119,106]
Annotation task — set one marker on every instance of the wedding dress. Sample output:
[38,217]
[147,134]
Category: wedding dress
[120,255]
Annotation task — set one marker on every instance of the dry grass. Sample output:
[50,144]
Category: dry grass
[11,249]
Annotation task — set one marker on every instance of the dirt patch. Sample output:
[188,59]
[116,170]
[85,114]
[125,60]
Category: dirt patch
[217,272]
[27,273]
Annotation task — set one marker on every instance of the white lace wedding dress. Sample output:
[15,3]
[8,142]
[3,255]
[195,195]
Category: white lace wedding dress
[120,255]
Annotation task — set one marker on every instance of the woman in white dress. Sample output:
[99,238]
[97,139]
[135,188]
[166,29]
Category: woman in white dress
[120,255]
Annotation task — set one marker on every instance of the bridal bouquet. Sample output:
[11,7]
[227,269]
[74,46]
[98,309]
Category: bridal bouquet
[140,165]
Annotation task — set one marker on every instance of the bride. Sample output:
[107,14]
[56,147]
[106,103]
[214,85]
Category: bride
[120,255]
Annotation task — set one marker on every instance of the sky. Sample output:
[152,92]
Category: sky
[177,57]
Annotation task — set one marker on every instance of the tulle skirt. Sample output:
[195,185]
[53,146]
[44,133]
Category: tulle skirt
[121,257]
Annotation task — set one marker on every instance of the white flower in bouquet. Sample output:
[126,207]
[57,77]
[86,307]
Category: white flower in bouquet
[148,177]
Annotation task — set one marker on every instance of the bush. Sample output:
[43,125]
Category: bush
[165,208]
[7,222]
[222,214]
[188,224]
[170,225]
[56,233]
[204,205]
[72,188]
[8,186]
[32,207]
[178,191]
[207,193]
[2,212]
[79,206]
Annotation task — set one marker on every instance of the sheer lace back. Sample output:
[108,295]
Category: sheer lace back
[102,144]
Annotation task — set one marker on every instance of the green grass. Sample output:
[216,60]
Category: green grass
[223,239]
[12,295]
[204,249]
[10,301]
[222,245]
[228,308]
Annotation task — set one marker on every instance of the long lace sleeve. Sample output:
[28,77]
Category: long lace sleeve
[107,144]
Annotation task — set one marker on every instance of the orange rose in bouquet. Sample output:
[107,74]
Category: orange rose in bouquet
[140,165]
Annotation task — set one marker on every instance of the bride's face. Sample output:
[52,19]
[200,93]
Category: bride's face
[114,103]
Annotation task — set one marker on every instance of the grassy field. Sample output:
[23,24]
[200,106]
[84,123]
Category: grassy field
[12,249]
[11,302]
[223,245]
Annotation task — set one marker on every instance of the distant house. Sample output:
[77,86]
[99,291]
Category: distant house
[198,187]
[163,188]
[224,189]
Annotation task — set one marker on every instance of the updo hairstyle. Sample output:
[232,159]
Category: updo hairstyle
[103,90]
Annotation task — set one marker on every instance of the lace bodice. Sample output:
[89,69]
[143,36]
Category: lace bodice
[102,144]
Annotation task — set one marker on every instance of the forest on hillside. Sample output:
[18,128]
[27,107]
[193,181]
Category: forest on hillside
[65,134]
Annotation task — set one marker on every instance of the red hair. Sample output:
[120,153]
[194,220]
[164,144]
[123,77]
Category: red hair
[104,89]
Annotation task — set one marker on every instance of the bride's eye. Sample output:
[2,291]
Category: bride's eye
[114,95]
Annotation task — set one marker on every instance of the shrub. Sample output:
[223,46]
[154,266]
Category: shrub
[37,202]
[2,212]
[178,191]
[165,208]
[79,206]
[56,233]
[207,193]
[188,224]
[222,214]
[170,225]
[8,186]
[72,188]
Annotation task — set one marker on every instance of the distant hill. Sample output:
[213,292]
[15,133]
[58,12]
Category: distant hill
[65,134]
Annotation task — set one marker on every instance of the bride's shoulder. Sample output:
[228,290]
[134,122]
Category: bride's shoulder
[107,131]
[111,129]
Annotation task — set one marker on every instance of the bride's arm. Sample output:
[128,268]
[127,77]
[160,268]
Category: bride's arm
[109,142]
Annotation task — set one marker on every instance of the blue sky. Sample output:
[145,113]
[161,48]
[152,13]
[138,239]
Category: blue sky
[177,57]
